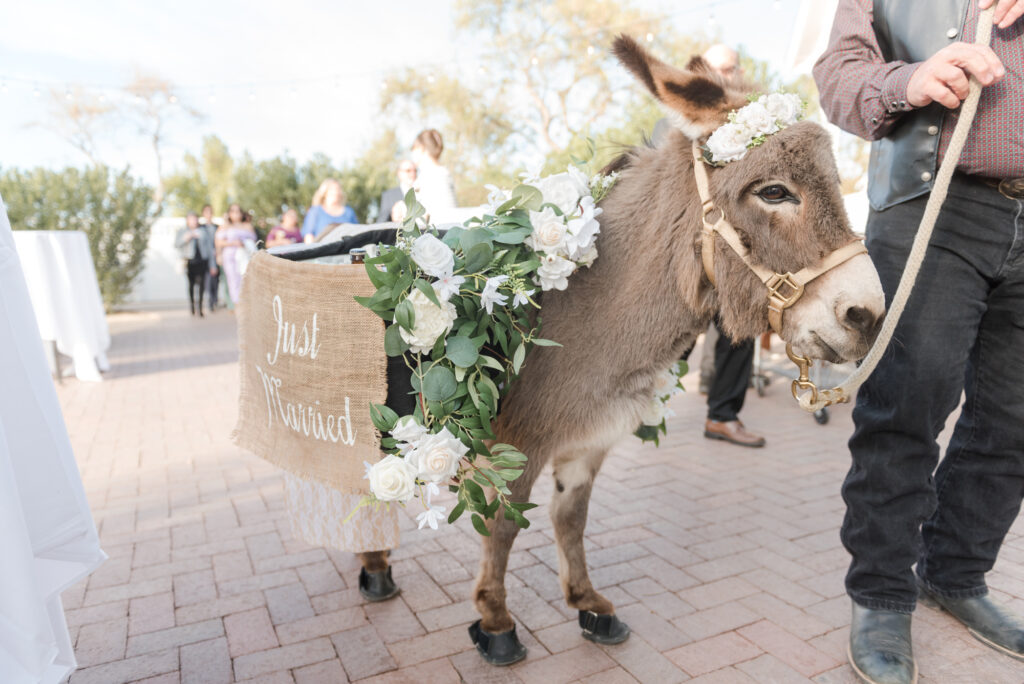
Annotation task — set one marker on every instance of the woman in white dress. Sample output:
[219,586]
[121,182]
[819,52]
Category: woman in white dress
[434,187]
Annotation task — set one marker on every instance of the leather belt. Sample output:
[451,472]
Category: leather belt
[1010,188]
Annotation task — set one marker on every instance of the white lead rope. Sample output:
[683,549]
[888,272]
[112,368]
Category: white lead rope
[813,401]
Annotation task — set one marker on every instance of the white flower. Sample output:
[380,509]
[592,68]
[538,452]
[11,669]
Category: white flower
[433,256]
[447,286]
[563,190]
[654,412]
[436,457]
[589,257]
[521,298]
[495,198]
[729,142]
[408,430]
[786,108]
[392,479]
[490,296]
[431,323]
[665,384]
[581,178]
[756,117]
[431,516]
[553,272]
[549,232]
[532,173]
[583,230]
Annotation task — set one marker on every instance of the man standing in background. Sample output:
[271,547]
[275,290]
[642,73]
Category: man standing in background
[213,274]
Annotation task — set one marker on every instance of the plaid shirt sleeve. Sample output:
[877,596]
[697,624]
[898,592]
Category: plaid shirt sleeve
[860,91]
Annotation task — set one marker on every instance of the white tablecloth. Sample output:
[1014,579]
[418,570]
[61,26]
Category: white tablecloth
[66,296]
[47,537]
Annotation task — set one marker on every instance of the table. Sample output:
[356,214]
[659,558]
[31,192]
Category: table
[66,297]
[48,541]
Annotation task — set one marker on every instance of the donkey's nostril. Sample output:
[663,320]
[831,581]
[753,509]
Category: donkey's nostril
[861,319]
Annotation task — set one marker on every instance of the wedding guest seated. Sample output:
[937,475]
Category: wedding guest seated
[287,232]
[392,206]
[329,208]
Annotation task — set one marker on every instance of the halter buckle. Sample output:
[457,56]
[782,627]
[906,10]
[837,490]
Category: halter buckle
[783,291]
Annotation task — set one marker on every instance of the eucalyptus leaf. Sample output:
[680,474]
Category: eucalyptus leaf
[461,351]
[439,383]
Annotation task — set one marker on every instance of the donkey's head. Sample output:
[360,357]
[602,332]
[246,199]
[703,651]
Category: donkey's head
[783,199]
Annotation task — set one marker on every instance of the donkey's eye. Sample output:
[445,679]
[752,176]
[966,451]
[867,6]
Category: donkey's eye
[773,194]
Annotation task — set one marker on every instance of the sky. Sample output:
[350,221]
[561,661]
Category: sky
[268,77]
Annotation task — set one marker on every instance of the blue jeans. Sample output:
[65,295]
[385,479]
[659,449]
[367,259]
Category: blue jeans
[962,330]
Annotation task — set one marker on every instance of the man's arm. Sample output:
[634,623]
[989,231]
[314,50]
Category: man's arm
[865,95]
[860,91]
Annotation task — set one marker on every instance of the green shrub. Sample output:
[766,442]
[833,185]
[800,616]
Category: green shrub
[113,209]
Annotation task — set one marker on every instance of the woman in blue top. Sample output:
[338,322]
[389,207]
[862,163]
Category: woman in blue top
[328,209]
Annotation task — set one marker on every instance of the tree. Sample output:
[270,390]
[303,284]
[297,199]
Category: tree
[267,188]
[79,117]
[154,105]
[207,179]
[113,209]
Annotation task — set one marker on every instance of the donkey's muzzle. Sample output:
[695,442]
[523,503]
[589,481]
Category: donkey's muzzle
[862,321]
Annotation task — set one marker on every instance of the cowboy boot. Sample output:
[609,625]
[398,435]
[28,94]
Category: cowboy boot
[880,650]
[986,620]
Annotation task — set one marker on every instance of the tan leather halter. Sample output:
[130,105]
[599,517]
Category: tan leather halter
[784,289]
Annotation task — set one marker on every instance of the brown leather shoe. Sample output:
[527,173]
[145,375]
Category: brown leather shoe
[732,431]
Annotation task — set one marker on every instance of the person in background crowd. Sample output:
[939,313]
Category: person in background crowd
[287,232]
[726,385]
[197,248]
[392,204]
[896,73]
[329,207]
[434,187]
[212,278]
[231,237]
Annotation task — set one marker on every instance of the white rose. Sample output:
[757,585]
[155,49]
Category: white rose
[757,118]
[589,257]
[554,272]
[580,178]
[392,479]
[408,430]
[431,323]
[729,143]
[433,256]
[548,232]
[436,457]
[784,107]
[665,383]
[654,412]
[563,191]
[583,230]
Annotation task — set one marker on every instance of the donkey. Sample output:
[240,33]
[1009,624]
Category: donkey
[642,304]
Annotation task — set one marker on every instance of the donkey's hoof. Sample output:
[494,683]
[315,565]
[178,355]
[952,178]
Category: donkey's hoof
[377,586]
[603,629]
[497,649]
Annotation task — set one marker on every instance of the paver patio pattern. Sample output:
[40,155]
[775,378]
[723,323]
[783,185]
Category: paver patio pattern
[725,561]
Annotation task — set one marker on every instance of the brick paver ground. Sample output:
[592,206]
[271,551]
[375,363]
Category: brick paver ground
[725,561]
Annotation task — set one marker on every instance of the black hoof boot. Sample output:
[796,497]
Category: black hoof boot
[497,649]
[603,629]
[377,586]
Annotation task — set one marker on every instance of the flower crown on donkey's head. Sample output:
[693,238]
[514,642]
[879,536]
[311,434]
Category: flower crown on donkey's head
[751,125]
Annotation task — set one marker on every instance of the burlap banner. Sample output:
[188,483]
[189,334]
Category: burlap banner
[312,361]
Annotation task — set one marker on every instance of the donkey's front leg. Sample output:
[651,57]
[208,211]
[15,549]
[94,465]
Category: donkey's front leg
[494,634]
[574,481]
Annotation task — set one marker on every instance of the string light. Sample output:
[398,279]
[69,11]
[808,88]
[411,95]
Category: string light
[252,96]
[650,37]
[383,85]
[35,91]
[534,61]
[430,78]
[68,95]
[211,98]
[481,70]
[173,99]
[590,49]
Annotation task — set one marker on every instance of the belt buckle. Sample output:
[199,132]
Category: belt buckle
[1012,188]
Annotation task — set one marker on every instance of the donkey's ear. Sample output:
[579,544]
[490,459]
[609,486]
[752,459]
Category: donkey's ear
[695,98]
